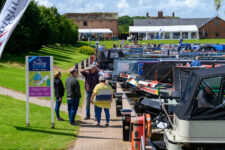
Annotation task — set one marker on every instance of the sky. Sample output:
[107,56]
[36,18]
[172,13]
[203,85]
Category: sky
[181,8]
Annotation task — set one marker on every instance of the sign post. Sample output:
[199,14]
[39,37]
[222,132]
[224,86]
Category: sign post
[39,81]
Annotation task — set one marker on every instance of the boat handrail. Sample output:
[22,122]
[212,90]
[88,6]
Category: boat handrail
[164,108]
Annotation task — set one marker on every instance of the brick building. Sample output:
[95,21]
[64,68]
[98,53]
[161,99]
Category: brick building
[213,29]
[208,28]
[95,24]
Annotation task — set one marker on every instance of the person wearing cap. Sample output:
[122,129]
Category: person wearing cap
[73,95]
[59,93]
[91,80]
[196,62]
[102,98]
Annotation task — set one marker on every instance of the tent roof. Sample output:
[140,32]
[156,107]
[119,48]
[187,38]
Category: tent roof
[199,22]
[180,28]
[94,31]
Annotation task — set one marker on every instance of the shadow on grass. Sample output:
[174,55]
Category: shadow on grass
[66,50]
[56,128]
[79,44]
[43,131]
[56,56]
[62,51]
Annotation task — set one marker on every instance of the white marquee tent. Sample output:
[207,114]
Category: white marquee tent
[95,31]
[166,32]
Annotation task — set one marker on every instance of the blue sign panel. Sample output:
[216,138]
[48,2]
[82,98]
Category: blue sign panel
[39,63]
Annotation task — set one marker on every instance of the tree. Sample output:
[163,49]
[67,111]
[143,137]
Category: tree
[218,4]
[41,26]
[2,2]
[126,21]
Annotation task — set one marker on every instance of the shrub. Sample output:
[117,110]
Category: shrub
[86,50]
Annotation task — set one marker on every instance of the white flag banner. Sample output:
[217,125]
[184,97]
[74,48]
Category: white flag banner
[10,15]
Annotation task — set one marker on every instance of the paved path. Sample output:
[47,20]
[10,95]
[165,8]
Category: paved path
[37,101]
[101,138]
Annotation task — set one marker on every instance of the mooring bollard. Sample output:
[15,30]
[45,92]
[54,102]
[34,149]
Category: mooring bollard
[126,113]
[119,103]
[82,64]
[113,83]
[87,62]
[77,68]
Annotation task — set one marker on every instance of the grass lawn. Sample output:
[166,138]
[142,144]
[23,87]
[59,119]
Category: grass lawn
[12,67]
[109,44]
[64,57]
[15,135]
[13,77]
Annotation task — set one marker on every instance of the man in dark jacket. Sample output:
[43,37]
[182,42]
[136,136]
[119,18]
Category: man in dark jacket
[91,80]
[73,95]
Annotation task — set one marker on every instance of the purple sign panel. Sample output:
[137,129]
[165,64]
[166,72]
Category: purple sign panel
[40,91]
[39,76]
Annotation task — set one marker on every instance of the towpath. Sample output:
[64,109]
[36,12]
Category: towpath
[37,101]
[92,137]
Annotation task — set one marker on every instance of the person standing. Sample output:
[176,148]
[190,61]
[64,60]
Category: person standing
[102,98]
[196,62]
[91,80]
[59,93]
[73,95]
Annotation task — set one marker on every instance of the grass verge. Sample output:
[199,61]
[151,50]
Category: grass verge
[14,134]
[13,77]
[109,44]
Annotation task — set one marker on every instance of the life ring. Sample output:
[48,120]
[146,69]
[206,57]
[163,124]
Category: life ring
[148,125]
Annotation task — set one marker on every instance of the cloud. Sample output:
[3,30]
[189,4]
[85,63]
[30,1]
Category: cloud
[122,4]
[46,3]
[182,8]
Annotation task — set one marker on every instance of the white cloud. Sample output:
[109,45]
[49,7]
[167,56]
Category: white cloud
[73,6]
[182,8]
[46,3]
[122,4]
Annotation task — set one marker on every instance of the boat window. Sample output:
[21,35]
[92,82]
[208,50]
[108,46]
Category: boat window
[208,94]
[114,55]
[105,53]
[189,88]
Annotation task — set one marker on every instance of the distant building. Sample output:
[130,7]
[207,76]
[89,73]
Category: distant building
[176,28]
[96,25]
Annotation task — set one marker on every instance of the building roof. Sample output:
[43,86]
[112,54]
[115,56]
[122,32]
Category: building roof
[181,28]
[199,22]
[92,16]
[94,31]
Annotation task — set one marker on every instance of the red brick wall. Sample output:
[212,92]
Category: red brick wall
[211,29]
[97,24]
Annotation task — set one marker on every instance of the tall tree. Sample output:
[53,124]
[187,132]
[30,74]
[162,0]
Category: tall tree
[218,4]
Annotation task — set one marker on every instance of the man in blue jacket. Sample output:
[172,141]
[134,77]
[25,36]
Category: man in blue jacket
[196,62]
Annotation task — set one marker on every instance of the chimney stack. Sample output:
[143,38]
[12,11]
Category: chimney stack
[173,15]
[160,14]
[147,15]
